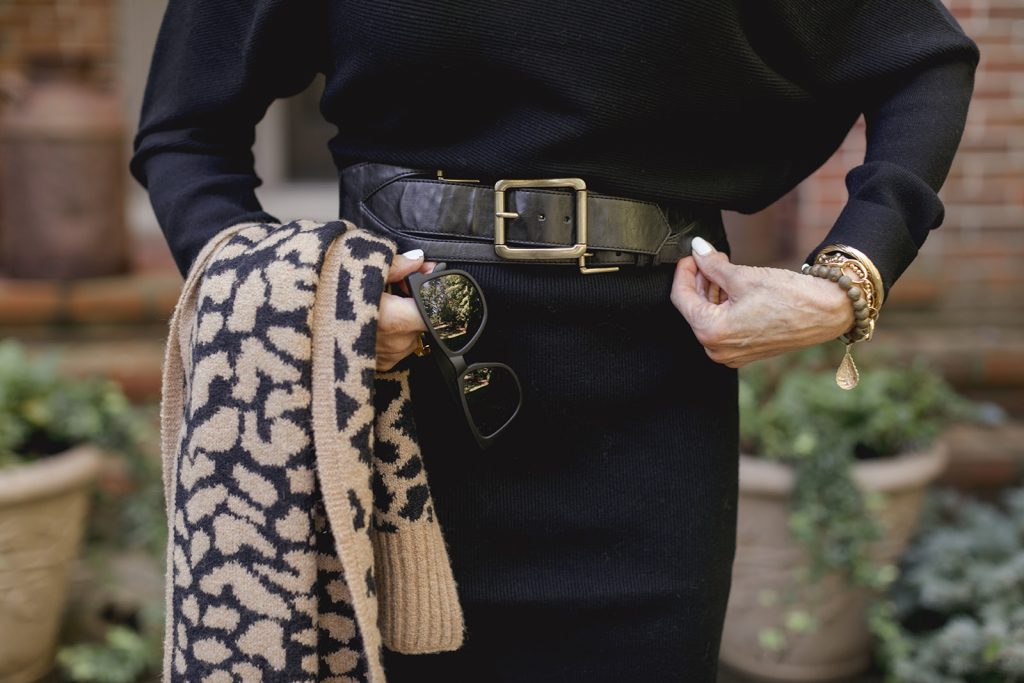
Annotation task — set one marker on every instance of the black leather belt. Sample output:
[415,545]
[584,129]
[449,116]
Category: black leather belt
[542,221]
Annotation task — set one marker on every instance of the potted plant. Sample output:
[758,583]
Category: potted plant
[831,483]
[53,433]
[956,613]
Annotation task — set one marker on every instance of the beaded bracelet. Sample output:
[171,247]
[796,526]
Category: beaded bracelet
[855,273]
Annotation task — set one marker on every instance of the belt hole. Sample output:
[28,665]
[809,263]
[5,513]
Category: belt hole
[566,219]
[541,217]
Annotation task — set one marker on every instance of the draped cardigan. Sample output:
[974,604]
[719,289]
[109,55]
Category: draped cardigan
[302,535]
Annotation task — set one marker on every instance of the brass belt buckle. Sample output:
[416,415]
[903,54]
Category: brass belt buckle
[577,251]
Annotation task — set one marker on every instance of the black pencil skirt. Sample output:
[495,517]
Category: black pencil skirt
[594,542]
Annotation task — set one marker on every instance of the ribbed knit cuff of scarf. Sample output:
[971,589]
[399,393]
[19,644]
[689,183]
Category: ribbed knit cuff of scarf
[302,533]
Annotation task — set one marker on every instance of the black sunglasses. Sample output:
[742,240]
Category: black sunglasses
[455,312]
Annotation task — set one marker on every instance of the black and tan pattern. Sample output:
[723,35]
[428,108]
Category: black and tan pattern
[302,535]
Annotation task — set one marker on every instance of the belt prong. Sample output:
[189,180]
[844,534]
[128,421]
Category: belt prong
[587,270]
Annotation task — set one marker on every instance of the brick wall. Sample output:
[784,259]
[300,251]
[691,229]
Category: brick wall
[971,270]
[78,27]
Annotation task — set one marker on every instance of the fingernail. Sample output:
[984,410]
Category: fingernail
[413,254]
[701,246]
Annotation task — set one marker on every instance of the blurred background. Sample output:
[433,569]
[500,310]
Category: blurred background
[87,286]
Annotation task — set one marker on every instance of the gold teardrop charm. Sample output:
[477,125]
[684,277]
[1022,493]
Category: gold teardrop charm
[847,375]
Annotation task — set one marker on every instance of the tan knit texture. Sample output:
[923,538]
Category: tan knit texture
[420,611]
[279,553]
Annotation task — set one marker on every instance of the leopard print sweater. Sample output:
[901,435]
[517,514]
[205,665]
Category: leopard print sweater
[302,536]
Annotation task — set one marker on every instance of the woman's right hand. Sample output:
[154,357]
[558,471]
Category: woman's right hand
[399,322]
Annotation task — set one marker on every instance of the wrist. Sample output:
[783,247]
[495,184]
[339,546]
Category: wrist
[855,278]
[858,283]
[834,305]
[842,308]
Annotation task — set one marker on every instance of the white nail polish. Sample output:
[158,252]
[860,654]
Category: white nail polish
[701,246]
[413,254]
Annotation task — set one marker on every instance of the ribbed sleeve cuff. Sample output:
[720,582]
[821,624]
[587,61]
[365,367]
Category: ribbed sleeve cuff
[879,232]
[420,610]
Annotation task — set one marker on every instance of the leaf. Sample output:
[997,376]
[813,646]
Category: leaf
[800,621]
[771,639]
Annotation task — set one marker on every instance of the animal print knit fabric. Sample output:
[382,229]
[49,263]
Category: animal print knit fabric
[302,532]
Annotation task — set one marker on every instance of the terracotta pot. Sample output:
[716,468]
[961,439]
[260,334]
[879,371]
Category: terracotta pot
[42,516]
[62,174]
[767,555]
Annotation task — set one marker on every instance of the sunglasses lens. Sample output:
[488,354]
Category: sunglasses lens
[454,308]
[492,395]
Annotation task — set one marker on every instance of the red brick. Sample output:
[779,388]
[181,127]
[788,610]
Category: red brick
[106,300]
[31,26]
[985,216]
[128,299]
[991,138]
[912,293]
[1008,11]
[984,243]
[1004,367]
[993,84]
[29,301]
[962,10]
[975,192]
[969,270]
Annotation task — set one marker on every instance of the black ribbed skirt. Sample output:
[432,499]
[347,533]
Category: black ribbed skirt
[594,541]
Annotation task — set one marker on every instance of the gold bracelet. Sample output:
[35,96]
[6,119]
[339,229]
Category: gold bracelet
[861,280]
[869,267]
[860,275]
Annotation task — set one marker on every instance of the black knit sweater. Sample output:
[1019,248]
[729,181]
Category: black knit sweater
[724,102]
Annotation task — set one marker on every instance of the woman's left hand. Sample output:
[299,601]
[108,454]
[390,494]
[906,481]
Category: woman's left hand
[745,313]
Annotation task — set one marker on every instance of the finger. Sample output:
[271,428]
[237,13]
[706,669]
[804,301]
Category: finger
[702,285]
[387,360]
[425,267]
[403,264]
[714,293]
[687,264]
[717,268]
[399,315]
[684,294]
[397,343]
[713,263]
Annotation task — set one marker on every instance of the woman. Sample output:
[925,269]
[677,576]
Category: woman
[594,541]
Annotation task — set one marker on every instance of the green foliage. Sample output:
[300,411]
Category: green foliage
[122,658]
[792,411]
[42,413]
[956,614]
[795,410]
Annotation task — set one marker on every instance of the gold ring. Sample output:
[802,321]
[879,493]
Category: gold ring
[420,349]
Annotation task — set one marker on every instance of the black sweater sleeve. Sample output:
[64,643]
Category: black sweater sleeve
[216,67]
[909,68]
[912,136]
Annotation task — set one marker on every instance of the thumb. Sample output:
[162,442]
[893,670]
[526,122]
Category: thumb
[404,264]
[714,264]
[399,314]
[684,294]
